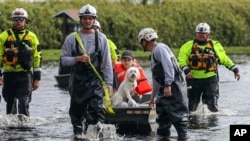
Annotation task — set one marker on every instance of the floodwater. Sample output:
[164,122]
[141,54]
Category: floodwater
[49,120]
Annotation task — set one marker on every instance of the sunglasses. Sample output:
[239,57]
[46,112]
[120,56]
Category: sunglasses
[19,19]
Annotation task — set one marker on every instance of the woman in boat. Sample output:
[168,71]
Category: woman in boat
[127,60]
[112,47]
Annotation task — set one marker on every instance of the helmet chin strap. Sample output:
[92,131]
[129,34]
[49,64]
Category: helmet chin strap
[88,28]
[17,30]
[145,46]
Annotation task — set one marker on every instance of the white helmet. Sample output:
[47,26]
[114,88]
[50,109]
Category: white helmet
[147,34]
[203,28]
[97,24]
[88,10]
[19,12]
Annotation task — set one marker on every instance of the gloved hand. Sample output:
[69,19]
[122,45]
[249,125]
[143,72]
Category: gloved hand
[236,73]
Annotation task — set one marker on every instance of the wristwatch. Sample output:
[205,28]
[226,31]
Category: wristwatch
[167,85]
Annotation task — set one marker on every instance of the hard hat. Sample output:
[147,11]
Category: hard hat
[97,24]
[203,28]
[147,34]
[19,12]
[88,10]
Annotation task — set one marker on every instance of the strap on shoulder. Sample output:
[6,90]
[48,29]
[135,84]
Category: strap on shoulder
[25,35]
[9,32]
[78,38]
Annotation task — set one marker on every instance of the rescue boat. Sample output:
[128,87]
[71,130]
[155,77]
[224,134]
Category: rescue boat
[131,120]
[62,80]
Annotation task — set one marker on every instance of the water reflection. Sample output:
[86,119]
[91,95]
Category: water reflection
[202,121]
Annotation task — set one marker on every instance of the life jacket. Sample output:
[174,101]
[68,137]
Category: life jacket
[12,48]
[143,86]
[203,59]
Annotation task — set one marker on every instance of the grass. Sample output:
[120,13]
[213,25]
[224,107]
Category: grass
[51,55]
[54,54]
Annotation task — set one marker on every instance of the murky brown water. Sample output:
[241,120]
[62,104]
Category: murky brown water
[50,121]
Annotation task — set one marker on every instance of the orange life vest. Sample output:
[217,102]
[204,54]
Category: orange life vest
[10,56]
[143,86]
[203,60]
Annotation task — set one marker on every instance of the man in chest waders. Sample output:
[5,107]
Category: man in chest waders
[169,87]
[21,57]
[199,59]
[85,88]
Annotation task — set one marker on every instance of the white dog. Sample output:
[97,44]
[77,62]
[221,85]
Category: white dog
[123,93]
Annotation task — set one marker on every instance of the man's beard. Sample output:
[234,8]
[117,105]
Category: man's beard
[18,28]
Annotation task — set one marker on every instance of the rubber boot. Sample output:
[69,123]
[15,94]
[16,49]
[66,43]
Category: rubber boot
[181,129]
[80,132]
[212,105]
[182,134]
[164,130]
[77,130]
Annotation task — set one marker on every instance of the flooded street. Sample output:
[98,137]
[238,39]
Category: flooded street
[49,120]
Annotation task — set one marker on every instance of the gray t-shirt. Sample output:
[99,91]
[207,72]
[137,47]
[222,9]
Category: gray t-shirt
[162,53]
[69,47]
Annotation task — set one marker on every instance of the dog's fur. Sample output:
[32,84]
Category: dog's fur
[123,93]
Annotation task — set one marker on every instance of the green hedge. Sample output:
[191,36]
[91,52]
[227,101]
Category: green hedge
[174,20]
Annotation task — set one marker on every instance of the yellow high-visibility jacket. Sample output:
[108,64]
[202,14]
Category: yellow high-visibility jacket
[36,50]
[220,54]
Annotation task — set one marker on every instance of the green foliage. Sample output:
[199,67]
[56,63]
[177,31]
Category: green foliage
[51,55]
[174,20]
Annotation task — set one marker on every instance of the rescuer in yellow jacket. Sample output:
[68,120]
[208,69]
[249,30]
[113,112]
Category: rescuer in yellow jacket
[112,47]
[199,59]
[20,55]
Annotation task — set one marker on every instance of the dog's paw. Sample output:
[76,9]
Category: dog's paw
[132,103]
[123,104]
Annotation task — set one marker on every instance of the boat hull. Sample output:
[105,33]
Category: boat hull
[133,120]
[62,80]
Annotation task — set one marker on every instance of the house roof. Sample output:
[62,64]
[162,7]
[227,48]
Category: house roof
[72,14]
